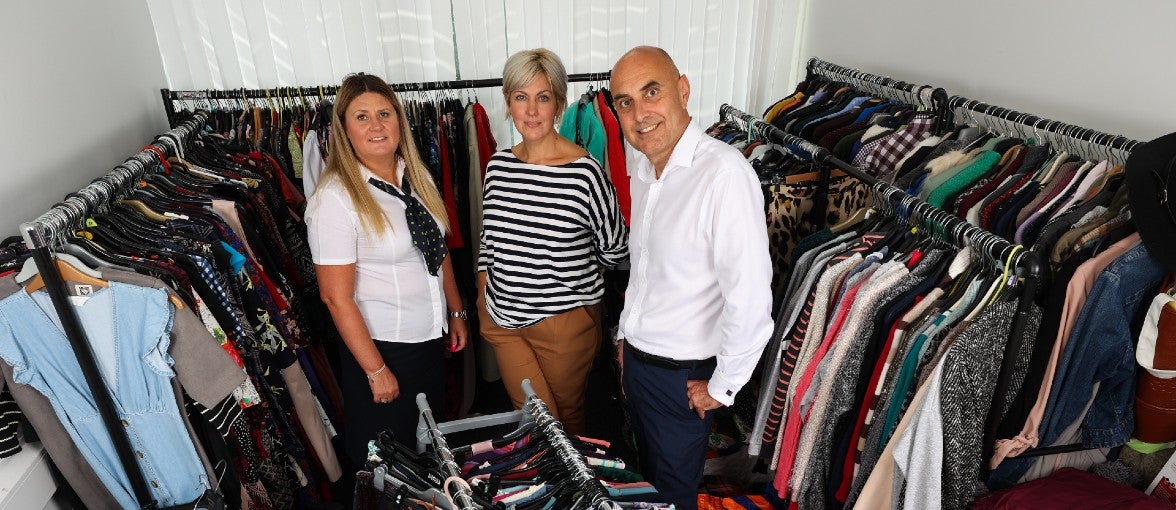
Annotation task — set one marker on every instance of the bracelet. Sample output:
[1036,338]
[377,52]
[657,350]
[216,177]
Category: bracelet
[459,315]
[373,375]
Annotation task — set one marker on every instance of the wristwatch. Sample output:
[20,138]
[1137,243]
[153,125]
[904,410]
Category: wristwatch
[460,314]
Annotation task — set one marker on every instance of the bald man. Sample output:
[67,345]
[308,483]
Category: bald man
[698,308]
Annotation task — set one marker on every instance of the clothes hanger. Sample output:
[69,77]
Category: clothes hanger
[69,273]
[519,433]
[382,480]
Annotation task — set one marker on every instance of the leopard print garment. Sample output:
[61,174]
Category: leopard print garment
[789,217]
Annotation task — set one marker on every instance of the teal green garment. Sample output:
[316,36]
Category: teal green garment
[964,178]
[567,125]
[592,132]
[614,492]
[581,119]
[911,362]
[934,182]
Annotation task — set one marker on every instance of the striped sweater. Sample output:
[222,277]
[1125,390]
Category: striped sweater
[547,231]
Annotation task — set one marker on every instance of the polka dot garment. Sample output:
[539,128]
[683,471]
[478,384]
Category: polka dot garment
[425,235]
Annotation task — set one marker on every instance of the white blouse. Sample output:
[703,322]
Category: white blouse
[398,298]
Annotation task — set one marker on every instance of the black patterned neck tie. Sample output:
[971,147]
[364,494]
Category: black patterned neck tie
[426,236]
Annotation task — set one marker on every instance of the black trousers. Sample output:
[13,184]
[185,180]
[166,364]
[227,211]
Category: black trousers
[417,368]
[671,437]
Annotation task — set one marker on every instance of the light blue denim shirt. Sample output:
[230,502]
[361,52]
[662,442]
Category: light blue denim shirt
[128,328]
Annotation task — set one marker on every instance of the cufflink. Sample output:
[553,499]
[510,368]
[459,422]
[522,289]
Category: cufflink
[729,392]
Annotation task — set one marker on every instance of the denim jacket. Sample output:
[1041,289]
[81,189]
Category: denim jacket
[128,329]
[1101,350]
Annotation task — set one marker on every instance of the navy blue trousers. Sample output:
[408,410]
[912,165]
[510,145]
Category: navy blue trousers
[672,439]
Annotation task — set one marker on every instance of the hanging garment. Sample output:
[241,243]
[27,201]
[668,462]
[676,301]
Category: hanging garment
[615,153]
[790,210]
[313,163]
[140,384]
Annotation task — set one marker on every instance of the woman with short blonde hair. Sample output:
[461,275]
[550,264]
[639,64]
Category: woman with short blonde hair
[550,225]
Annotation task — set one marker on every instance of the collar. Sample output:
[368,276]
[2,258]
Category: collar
[681,156]
[366,174]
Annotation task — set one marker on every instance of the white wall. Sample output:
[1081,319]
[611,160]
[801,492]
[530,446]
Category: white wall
[80,93]
[1104,65]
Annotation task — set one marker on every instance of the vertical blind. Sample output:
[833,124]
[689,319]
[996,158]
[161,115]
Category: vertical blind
[740,52]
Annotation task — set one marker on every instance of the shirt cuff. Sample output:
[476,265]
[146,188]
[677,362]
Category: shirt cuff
[722,389]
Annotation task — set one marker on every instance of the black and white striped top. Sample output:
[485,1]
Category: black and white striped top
[546,233]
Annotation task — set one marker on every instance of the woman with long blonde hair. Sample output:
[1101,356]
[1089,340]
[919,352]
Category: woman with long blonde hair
[377,228]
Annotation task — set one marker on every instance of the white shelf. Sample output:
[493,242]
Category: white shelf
[26,480]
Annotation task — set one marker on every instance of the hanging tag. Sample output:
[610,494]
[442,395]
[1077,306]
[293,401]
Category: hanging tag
[378,475]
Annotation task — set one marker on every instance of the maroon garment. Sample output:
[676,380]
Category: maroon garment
[974,196]
[486,144]
[986,214]
[1069,489]
[454,239]
[1058,183]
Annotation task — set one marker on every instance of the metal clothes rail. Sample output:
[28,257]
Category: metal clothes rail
[51,227]
[572,459]
[462,497]
[322,91]
[928,96]
[998,249]
[1070,135]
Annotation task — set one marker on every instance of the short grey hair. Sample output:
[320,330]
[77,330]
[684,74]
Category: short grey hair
[524,66]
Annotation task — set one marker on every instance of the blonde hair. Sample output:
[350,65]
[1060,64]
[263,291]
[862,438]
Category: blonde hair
[522,67]
[342,163]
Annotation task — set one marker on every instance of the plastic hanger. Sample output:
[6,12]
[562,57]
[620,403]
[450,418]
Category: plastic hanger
[29,269]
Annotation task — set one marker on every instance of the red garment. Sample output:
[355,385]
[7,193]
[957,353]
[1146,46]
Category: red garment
[1068,489]
[290,193]
[709,502]
[916,256]
[847,468]
[454,238]
[486,144]
[616,157]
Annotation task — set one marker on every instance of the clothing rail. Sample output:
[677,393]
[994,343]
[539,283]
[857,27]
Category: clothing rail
[571,458]
[462,497]
[329,90]
[1074,138]
[911,93]
[1065,134]
[994,246]
[49,228]
[1091,142]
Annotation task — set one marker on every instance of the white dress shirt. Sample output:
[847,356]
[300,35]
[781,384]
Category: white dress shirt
[398,298]
[700,282]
